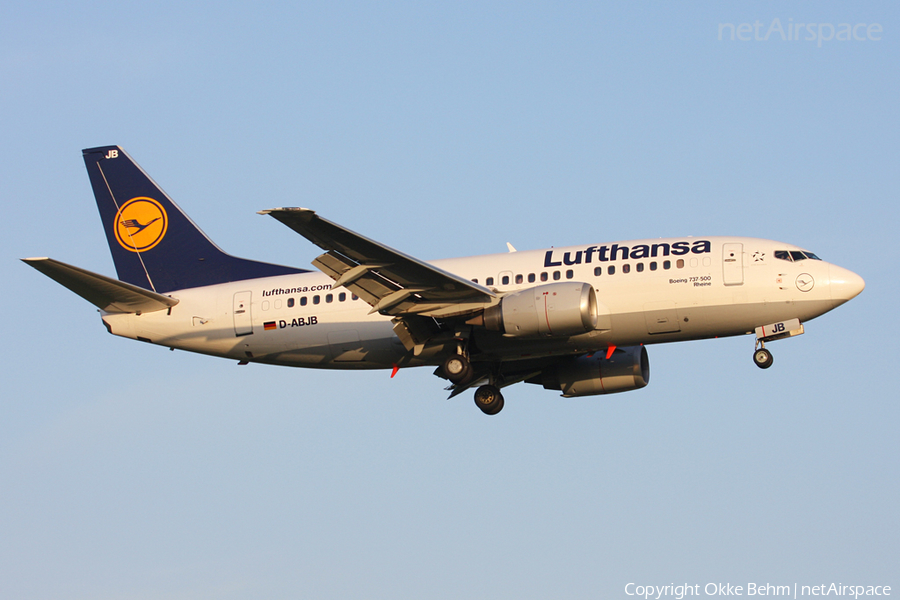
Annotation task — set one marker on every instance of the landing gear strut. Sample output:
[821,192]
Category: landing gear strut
[489,399]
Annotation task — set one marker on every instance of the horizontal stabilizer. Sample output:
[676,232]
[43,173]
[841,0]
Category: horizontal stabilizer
[103,292]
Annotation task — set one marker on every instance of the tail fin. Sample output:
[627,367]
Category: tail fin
[153,243]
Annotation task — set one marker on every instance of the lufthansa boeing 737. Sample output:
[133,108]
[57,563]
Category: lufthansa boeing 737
[574,319]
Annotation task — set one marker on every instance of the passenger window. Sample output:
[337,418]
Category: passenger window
[531,278]
[316,299]
[354,297]
[626,268]
[290,303]
[598,271]
[342,296]
[667,264]
[556,275]
[680,263]
[505,280]
[611,270]
[303,301]
[570,274]
[653,266]
[489,281]
[640,267]
[519,279]
[475,280]
[544,276]
[329,298]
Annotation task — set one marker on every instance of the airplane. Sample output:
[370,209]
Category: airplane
[574,319]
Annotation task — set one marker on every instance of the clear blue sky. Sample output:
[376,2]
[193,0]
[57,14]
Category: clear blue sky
[131,472]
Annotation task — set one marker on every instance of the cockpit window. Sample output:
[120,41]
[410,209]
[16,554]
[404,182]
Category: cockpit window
[795,255]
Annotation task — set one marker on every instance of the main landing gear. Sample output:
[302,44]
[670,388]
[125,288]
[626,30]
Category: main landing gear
[489,399]
[458,369]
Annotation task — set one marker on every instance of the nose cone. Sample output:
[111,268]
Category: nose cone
[845,285]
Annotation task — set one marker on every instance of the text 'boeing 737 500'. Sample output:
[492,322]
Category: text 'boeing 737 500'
[573,319]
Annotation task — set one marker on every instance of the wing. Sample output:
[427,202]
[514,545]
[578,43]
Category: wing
[391,282]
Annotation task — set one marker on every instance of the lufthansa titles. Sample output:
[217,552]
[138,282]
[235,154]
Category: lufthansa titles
[555,258]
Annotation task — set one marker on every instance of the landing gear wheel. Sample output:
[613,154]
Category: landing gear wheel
[489,399]
[457,368]
[763,358]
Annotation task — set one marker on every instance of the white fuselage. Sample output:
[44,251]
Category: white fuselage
[649,291]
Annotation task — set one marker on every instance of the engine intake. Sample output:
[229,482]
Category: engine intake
[555,309]
[627,369]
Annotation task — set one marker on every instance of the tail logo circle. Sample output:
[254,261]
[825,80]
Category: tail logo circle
[140,224]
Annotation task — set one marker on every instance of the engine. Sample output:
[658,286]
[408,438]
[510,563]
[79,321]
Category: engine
[627,369]
[555,309]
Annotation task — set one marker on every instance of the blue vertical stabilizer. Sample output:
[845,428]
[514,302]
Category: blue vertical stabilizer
[153,243]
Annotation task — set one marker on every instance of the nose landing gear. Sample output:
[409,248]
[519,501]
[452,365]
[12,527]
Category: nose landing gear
[762,357]
[770,333]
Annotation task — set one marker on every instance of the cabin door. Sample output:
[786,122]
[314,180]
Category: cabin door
[733,264]
[243,321]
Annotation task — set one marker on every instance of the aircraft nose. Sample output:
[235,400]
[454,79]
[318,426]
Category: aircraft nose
[845,284]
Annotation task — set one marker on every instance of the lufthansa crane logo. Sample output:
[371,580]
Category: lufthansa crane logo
[805,282]
[140,224]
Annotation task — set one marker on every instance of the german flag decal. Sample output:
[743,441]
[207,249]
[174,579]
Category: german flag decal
[269,325]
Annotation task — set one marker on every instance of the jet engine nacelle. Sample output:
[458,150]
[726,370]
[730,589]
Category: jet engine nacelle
[555,309]
[627,369]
